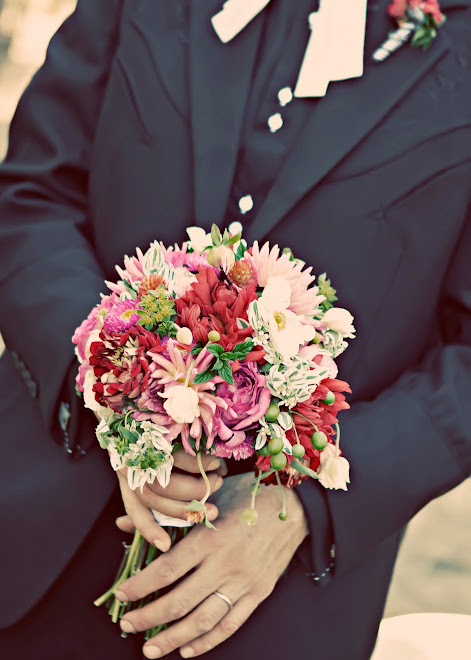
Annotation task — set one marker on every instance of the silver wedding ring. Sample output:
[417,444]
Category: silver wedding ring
[227,600]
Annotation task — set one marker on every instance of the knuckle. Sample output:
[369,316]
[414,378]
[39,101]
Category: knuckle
[229,626]
[143,620]
[170,642]
[178,607]
[166,572]
[202,646]
[205,622]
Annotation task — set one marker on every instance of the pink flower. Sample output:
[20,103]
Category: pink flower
[174,369]
[181,258]
[247,401]
[240,452]
[121,316]
[268,263]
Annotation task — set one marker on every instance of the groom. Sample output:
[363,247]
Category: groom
[140,123]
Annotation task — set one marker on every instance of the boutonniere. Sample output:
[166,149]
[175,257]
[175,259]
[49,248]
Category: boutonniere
[417,20]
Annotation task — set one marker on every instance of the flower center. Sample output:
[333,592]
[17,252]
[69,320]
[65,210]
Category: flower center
[126,315]
[280,320]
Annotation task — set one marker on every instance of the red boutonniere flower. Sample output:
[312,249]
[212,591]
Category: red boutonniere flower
[417,20]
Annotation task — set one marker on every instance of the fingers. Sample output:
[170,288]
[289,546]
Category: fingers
[226,627]
[172,508]
[176,604]
[188,463]
[125,524]
[142,517]
[181,487]
[163,571]
[205,618]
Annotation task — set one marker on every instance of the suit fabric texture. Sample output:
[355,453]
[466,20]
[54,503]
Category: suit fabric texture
[131,131]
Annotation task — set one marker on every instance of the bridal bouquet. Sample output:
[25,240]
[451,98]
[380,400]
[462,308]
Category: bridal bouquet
[220,348]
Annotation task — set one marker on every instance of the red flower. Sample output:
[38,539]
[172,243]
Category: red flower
[121,366]
[398,8]
[212,304]
[324,416]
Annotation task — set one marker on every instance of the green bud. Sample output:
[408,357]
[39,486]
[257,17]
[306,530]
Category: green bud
[264,451]
[249,516]
[214,335]
[317,338]
[289,252]
[319,440]
[278,461]
[329,398]
[283,516]
[275,445]
[298,451]
[272,413]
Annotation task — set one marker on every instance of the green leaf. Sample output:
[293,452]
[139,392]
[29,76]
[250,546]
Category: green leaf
[195,505]
[241,350]
[208,524]
[129,435]
[226,372]
[204,376]
[216,235]
[218,364]
[303,469]
[196,350]
[235,239]
[215,349]
[130,289]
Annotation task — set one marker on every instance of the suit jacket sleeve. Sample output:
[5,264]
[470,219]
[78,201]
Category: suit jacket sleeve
[412,443]
[50,278]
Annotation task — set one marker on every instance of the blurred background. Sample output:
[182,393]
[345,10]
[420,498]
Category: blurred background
[433,572]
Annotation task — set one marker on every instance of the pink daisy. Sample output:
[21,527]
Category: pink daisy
[268,263]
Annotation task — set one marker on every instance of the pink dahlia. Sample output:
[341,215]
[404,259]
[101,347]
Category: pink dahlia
[268,263]
[177,369]
[181,258]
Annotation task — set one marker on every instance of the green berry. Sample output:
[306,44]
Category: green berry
[264,451]
[214,335]
[249,516]
[275,445]
[298,451]
[283,516]
[272,413]
[319,440]
[329,398]
[278,461]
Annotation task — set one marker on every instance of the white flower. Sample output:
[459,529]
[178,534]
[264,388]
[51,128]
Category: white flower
[340,320]
[334,470]
[287,332]
[184,336]
[199,239]
[182,404]
[221,257]
[181,282]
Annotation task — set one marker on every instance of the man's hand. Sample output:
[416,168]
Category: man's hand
[242,562]
[170,500]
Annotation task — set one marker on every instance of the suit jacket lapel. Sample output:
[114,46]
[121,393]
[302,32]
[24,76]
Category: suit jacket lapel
[348,112]
[220,78]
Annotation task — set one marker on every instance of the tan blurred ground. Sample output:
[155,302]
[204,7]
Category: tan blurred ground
[433,572]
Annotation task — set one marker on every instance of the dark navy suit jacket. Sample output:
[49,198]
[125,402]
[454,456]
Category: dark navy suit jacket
[130,131]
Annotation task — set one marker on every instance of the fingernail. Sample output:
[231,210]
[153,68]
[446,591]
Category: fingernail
[187,652]
[218,483]
[152,651]
[123,520]
[214,464]
[127,626]
[161,545]
[120,595]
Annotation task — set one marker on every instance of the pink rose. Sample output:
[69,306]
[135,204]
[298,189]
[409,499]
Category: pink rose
[248,400]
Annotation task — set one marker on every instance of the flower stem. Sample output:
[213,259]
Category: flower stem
[337,439]
[284,503]
[306,418]
[255,490]
[130,561]
[205,477]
